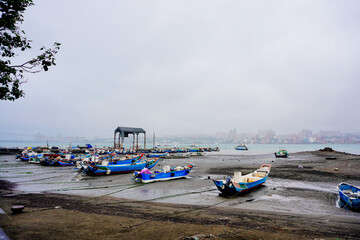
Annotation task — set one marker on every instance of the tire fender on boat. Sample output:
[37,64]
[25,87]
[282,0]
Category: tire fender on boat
[172,174]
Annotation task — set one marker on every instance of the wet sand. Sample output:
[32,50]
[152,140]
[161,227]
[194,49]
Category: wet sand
[295,203]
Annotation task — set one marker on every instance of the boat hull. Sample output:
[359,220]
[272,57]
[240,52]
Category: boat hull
[281,155]
[241,147]
[99,170]
[242,187]
[147,178]
[350,196]
[245,183]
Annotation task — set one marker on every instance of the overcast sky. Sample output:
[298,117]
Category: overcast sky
[180,67]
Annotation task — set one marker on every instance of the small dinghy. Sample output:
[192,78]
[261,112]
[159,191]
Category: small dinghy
[167,173]
[238,183]
[349,196]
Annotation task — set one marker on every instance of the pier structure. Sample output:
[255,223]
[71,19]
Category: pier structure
[124,132]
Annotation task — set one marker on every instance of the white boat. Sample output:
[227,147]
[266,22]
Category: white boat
[241,147]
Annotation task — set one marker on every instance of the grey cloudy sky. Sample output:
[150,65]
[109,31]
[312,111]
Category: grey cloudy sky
[180,67]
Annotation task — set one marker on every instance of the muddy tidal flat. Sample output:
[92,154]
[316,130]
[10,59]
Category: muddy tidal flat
[298,201]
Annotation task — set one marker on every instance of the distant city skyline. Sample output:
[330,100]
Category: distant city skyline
[305,136]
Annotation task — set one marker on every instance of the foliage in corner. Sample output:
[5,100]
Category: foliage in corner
[12,38]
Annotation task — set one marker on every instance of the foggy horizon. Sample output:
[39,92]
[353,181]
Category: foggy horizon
[180,68]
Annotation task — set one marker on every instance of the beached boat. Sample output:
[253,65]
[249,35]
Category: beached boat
[128,159]
[157,155]
[36,159]
[350,196]
[179,155]
[197,154]
[241,147]
[282,153]
[238,183]
[95,169]
[64,163]
[167,173]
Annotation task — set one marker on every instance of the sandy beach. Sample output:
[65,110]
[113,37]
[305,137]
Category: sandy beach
[297,202]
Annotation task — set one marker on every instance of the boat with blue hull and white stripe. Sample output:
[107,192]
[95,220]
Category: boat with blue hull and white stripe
[238,184]
[97,170]
[167,173]
[349,196]
[241,147]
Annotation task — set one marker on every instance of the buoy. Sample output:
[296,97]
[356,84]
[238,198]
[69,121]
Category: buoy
[336,169]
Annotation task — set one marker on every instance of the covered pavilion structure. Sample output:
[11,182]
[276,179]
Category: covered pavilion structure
[124,132]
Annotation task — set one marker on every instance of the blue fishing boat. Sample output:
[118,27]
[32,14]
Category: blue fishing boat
[64,163]
[239,184]
[83,164]
[96,170]
[350,196]
[241,147]
[167,173]
[24,158]
[157,155]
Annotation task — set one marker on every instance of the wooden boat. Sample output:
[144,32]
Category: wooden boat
[241,147]
[167,173]
[282,153]
[95,169]
[350,196]
[239,184]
